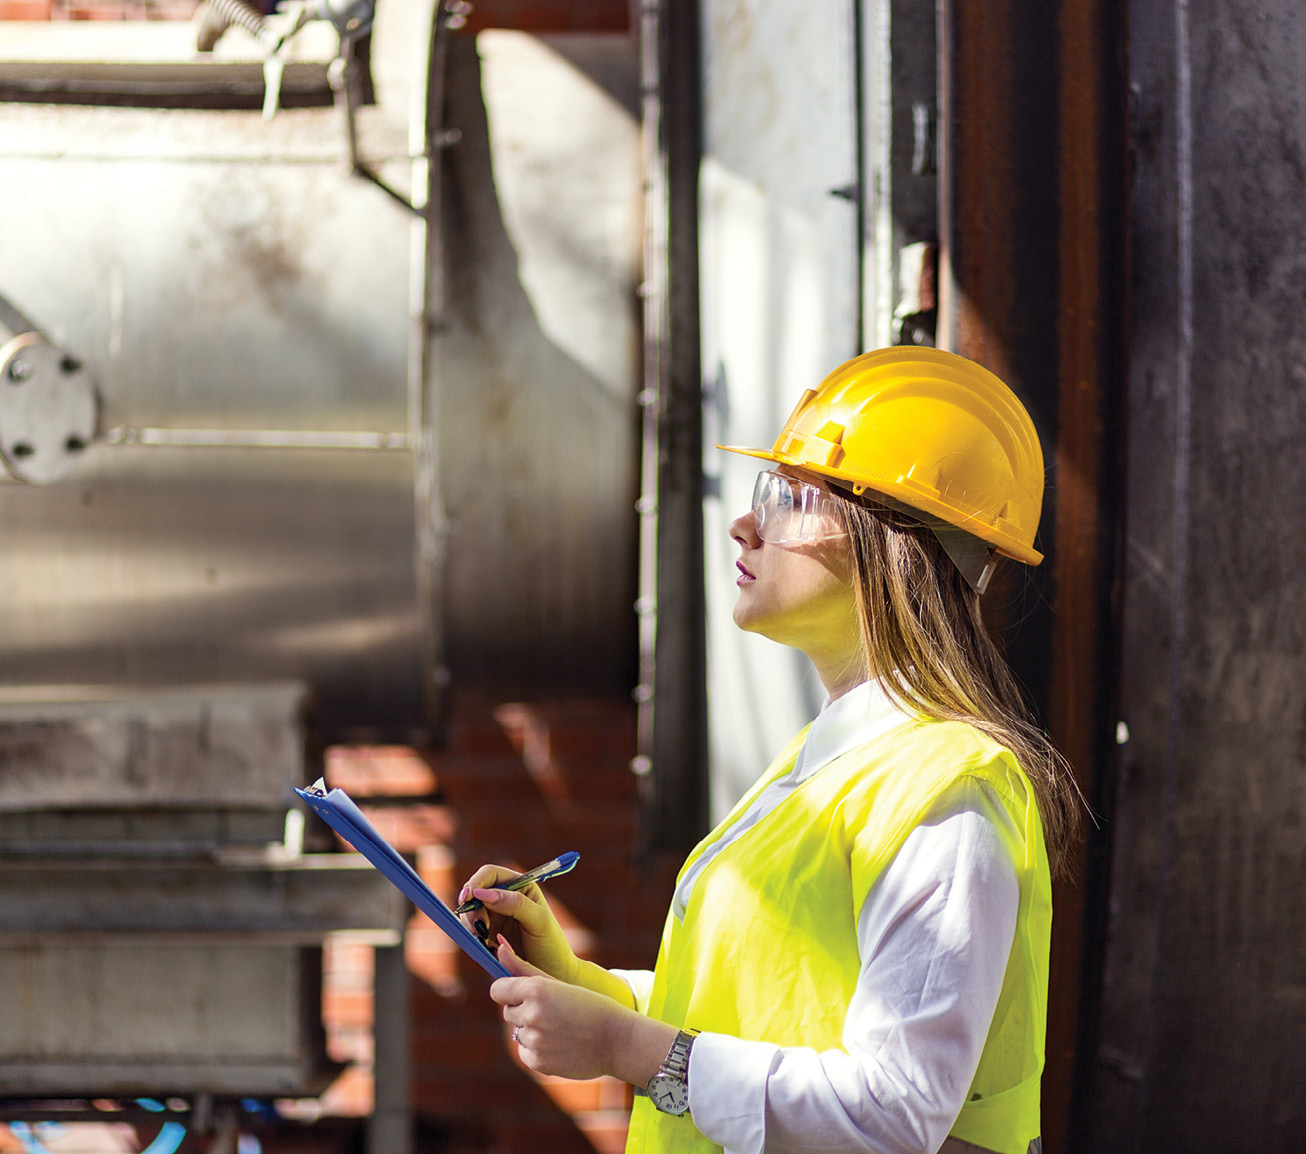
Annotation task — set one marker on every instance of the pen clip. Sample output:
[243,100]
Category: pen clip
[317,789]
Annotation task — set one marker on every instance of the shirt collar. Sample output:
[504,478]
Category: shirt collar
[860,715]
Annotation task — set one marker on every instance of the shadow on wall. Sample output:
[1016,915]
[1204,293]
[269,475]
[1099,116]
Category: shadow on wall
[536,365]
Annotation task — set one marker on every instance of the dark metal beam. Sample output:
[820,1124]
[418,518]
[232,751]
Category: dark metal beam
[1031,269]
[673,694]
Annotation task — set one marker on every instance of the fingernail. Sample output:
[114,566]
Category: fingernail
[503,944]
[491,897]
[482,930]
[463,894]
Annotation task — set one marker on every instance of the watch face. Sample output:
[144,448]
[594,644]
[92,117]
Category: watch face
[670,1095]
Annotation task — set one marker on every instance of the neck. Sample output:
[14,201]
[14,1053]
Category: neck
[840,672]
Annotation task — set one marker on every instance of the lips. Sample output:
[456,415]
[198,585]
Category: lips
[744,574]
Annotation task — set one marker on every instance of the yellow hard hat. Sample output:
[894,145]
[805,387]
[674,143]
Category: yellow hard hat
[929,430]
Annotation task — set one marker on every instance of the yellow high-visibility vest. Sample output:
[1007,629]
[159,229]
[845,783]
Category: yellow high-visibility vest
[767,949]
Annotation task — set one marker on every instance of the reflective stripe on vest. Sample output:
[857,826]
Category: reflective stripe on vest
[768,946]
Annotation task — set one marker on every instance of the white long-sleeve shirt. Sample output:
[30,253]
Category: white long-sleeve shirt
[933,935]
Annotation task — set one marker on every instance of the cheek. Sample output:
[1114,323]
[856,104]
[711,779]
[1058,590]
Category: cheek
[832,600]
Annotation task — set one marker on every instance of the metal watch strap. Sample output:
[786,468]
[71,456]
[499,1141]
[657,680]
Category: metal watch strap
[669,1087]
[676,1062]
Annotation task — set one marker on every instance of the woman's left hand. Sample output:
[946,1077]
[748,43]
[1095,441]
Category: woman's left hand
[572,1032]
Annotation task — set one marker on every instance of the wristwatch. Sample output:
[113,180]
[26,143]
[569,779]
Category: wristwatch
[669,1087]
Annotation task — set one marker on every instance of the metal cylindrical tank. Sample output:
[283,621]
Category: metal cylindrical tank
[331,425]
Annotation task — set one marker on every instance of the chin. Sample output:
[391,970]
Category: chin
[750,623]
[743,620]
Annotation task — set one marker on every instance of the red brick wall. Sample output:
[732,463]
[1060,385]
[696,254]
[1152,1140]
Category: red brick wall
[518,784]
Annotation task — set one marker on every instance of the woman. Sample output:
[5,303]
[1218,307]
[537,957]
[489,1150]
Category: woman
[856,958]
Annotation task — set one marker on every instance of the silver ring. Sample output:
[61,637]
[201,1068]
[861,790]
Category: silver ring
[515,1031]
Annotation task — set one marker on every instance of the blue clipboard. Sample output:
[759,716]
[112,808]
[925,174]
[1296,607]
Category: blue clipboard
[337,809]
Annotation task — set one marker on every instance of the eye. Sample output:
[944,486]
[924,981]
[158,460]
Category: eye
[784,495]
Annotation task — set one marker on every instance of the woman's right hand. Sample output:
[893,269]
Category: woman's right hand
[524,918]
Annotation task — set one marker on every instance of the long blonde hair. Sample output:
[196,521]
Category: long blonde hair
[923,636]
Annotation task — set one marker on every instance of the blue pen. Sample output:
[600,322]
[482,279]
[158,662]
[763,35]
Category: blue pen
[550,869]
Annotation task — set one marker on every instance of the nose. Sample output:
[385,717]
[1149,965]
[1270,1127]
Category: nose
[743,529]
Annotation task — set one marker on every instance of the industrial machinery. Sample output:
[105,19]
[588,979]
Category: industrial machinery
[266,486]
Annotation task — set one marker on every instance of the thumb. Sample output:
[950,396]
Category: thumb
[518,967]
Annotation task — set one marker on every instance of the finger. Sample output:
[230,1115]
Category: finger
[505,902]
[483,878]
[508,993]
[533,917]
[484,919]
[518,967]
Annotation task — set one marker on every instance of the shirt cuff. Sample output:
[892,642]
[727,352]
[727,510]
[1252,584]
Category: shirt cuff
[727,1090]
[641,985]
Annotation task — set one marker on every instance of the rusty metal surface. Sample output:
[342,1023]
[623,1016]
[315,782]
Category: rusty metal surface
[1087,507]
[1203,1014]
[1031,286]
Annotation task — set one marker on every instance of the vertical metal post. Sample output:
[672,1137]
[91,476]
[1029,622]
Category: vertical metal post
[426,138]
[672,687]
[899,111]
[654,292]
[1027,216]
[945,336]
[390,1129]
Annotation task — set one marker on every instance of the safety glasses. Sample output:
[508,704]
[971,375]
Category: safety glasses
[788,511]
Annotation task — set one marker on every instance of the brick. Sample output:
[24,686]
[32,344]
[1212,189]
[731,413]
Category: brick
[409,828]
[348,1007]
[438,1055]
[605,1130]
[438,1095]
[480,737]
[440,973]
[21,10]
[571,1095]
[346,963]
[350,1095]
[353,1046]
[560,1137]
[326,1136]
[380,771]
[467,1079]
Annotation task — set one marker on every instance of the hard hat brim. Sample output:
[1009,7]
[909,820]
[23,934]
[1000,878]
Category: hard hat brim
[1002,542]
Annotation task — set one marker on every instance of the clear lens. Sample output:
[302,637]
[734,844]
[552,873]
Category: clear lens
[788,511]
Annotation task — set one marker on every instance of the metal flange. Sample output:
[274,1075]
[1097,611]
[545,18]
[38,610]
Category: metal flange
[48,410]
